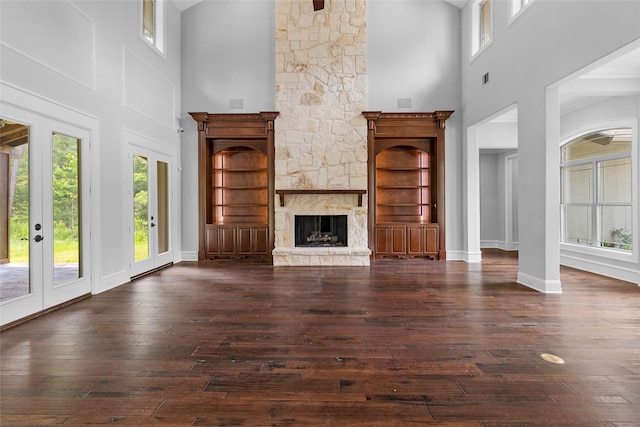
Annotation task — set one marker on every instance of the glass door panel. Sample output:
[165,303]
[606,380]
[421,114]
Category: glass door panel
[67,215]
[140,208]
[14,210]
[162,172]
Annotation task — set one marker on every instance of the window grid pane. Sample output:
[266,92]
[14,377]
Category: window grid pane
[577,184]
[577,220]
[614,181]
[616,227]
[598,144]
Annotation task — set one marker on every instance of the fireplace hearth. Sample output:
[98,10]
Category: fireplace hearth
[321,230]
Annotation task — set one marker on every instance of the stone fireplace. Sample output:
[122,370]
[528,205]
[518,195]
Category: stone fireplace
[321,135]
[356,252]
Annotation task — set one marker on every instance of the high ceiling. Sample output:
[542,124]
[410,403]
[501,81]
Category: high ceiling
[186,4]
[618,77]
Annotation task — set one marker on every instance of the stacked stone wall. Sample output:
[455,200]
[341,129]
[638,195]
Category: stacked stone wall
[321,91]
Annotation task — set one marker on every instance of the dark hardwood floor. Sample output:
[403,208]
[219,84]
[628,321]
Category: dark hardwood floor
[395,344]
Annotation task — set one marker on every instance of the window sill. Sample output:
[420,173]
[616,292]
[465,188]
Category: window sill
[599,252]
[480,51]
[153,47]
[519,13]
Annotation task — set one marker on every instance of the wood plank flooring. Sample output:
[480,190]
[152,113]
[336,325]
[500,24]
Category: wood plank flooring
[395,344]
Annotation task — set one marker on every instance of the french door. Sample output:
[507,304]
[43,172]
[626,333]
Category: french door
[150,206]
[45,222]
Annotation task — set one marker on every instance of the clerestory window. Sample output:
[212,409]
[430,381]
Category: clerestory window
[481,26]
[153,23]
[485,23]
[518,6]
[596,193]
[149,20]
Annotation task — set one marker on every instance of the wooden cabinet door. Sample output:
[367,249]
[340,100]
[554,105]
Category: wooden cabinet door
[212,240]
[228,240]
[244,242]
[415,244]
[431,240]
[383,240]
[399,240]
[261,240]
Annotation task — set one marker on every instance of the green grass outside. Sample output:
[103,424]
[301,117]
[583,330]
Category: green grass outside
[64,251]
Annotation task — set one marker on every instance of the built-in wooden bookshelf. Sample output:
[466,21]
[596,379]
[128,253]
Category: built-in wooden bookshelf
[236,169]
[240,187]
[403,185]
[406,184]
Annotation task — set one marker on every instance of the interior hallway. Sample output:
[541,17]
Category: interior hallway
[396,343]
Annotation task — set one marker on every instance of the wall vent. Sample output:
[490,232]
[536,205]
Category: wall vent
[236,104]
[404,102]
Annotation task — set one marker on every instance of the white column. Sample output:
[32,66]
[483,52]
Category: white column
[472,168]
[539,187]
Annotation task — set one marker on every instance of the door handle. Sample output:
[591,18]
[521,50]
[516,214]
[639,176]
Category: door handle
[38,238]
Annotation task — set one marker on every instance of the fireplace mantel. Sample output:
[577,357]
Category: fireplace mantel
[282,193]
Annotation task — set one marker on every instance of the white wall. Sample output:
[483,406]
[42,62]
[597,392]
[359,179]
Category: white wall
[412,51]
[88,56]
[228,52]
[551,40]
[498,199]
[496,140]
[491,200]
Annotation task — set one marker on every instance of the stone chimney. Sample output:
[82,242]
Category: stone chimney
[321,135]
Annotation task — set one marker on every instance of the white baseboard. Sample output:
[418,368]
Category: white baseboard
[189,256]
[540,285]
[110,282]
[499,244]
[605,269]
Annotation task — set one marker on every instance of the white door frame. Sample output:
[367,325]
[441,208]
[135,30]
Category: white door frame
[154,151]
[511,200]
[43,116]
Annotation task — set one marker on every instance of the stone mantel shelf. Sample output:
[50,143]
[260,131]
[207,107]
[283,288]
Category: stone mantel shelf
[358,192]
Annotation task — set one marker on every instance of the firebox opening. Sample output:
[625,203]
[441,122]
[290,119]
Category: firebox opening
[321,230]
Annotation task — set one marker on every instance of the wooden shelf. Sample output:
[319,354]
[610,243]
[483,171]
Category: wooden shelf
[242,205]
[215,187]
[408,169]
[401,187]
[403,204]
[282,193]
[238,170]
